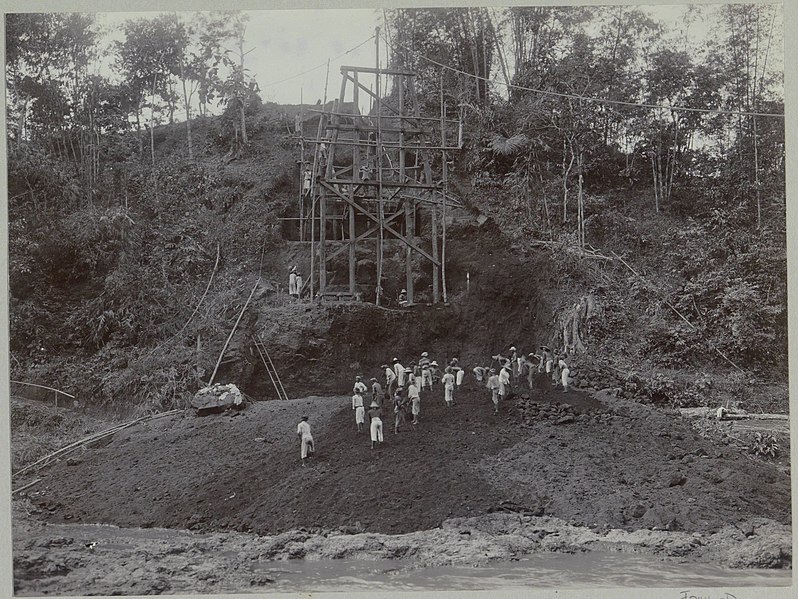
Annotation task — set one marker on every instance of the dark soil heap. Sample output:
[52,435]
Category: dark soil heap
[613,463]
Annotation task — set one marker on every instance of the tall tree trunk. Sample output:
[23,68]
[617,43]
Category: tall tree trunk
[152,118]
[565,172]
[187,104]
[654,175]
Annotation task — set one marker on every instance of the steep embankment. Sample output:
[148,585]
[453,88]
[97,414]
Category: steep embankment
[614,464]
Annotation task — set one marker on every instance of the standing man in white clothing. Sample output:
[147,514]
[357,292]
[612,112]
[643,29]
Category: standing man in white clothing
[448,386]
[426,373]
[360,411]
[306,438]
[504,381]
[400,372]
[494,386]
[360,387]
[415,400]
[292,283]
[390,378]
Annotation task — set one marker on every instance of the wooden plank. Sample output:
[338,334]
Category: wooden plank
[346,69]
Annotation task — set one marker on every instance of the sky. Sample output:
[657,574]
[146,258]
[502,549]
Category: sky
[283,44]
[288,49]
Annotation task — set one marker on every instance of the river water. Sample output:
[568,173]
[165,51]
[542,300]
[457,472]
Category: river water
[589,570]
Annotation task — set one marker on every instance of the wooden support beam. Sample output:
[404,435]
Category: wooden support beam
[384,184]
[365,235]
[372,144]
[369,128]
[376,220]
[346,69]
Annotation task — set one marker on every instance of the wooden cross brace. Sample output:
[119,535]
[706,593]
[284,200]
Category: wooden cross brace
[385,225]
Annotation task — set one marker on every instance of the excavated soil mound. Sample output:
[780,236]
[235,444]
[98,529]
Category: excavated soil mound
[612,462]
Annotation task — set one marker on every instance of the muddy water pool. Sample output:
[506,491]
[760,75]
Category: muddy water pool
[539,571]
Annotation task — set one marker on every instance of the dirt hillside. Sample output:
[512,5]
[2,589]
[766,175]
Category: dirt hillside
[609,463]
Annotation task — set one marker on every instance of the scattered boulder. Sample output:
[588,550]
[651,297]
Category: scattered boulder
[217,398]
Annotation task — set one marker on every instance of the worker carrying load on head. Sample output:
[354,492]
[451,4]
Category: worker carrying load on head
[480,372]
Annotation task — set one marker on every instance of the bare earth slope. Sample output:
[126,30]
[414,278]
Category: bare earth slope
[616,464]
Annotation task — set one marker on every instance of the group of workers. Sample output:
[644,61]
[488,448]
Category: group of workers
[403,386]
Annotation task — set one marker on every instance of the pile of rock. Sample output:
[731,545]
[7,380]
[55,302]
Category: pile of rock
[532,412]
[217,398]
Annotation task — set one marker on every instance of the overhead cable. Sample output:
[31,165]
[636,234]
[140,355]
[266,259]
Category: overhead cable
[588,98]
[324,64]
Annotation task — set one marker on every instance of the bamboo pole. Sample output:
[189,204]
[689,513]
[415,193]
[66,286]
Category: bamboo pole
[268,370]
[30,484]
[42,387]
[90,439]
[276,374]
[230,336]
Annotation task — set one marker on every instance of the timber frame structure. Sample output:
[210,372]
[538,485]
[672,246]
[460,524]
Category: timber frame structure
[372,180]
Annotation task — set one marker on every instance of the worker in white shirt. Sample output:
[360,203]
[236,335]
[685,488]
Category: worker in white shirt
[360,411]
[457,372]
[375,416]
[292,283]
[514,363]
[416,375]
[504,381]
[377,394]
[359,387]
[399,370]
[390,378]
[415,400]
[480,373]
[565,374]
[426,373]
[306,438]
[494,386]
[448,386]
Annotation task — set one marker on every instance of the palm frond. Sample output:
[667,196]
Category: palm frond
[507,146]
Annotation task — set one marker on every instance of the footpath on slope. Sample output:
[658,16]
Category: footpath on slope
[615,464]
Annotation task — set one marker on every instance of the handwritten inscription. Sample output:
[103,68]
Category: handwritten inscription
[690,595]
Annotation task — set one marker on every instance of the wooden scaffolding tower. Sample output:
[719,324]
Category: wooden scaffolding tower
[373,181]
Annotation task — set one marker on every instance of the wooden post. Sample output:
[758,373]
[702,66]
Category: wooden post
[445,169]
[355,178]
[435,290]
[409,228]
[379,169]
